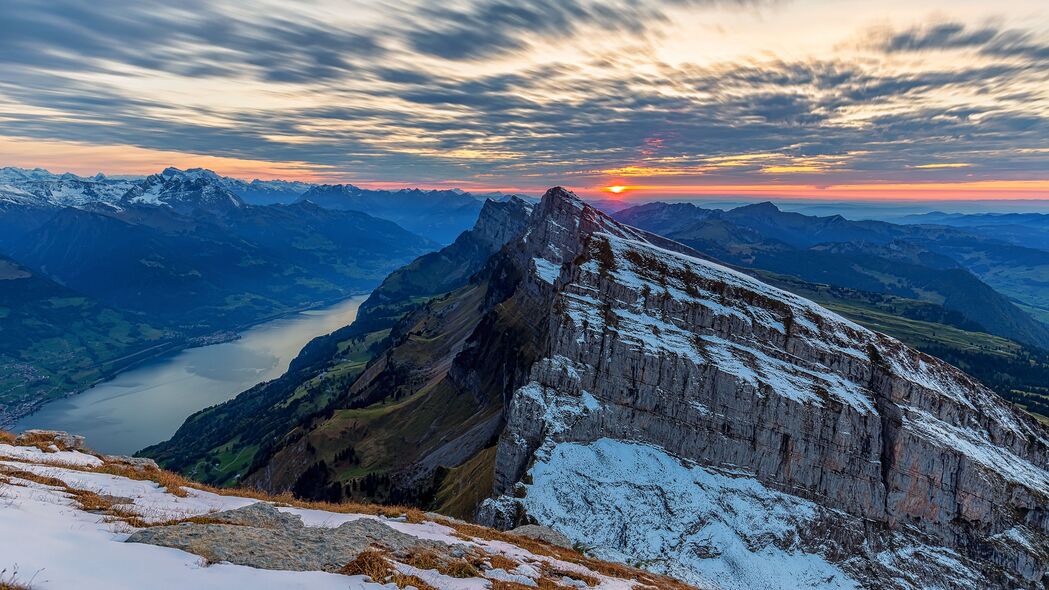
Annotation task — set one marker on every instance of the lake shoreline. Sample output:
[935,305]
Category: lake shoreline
[9,418]
[16,420]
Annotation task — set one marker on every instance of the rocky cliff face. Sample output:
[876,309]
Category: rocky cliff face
[694,419]
[666,411]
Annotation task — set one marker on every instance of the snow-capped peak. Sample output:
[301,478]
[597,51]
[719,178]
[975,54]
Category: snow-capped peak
[185,191]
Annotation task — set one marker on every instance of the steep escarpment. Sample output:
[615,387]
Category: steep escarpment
[861,458]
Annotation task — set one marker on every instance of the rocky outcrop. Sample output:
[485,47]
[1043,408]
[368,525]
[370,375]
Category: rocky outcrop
[875,453]
[260,536]
[66,440]
[542,533]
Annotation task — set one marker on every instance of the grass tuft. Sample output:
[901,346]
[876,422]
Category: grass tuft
[10,580]
[371,563]
[403,581]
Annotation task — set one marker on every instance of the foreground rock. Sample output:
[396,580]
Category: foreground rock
[261,536]
[542,533]
[66,440]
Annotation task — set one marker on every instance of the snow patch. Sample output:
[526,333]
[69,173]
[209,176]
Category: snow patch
[635,502]
[546,270]
[52,457]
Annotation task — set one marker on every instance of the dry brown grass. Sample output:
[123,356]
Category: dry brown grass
[10,579]
[502,562]
[7,437]
[88,500]
[12,584]
[427,559]
[371,563]
[403,581]
[459,568]
[174,483]
[541,584]
[119,513]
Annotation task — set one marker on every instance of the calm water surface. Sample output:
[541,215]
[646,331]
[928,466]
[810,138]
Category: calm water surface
[148,403]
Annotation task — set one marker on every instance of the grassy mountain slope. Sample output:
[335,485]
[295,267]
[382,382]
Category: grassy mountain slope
[335,382]
[203,273]
[55,341]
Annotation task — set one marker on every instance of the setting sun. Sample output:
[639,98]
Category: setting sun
[616,189]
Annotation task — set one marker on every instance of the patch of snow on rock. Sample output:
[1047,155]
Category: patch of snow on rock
[635,502]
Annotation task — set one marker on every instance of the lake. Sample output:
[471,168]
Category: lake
[147,404]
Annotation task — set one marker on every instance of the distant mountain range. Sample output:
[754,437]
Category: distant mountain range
[186,254]
[1029,230]
[439,215]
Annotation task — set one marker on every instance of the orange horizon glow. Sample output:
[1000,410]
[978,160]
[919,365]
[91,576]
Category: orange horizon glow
[87,159]
[896,191]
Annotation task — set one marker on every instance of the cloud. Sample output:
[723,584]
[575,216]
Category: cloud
[191,38]
[494,27]
[987,40]
[371,101]
[491,28]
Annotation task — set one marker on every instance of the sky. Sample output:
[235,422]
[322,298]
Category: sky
[834,99]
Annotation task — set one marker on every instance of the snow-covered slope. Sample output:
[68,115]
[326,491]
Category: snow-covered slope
[71,519]
[185,191]
[691,418]
[168,187]
[63,190]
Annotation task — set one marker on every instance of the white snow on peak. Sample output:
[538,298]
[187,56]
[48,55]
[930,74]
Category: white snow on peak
[976,447]
[724,293]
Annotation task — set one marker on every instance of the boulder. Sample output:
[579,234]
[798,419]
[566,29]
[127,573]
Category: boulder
[542,533]
[69,441]
[136,463]
[261,536]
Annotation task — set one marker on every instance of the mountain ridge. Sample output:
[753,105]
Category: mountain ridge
[582,330]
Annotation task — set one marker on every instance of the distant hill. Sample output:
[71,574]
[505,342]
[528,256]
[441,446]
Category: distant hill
[927,263]
[440,215]
[1030,230]
[205,272]
[54,341]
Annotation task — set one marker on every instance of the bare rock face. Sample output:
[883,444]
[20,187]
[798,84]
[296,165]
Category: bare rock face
[833,456]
